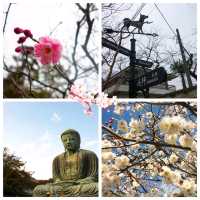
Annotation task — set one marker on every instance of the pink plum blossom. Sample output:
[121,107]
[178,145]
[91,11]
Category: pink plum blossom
[80,94]
[48,50]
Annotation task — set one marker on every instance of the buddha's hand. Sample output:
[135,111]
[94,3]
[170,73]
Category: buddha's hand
[86,180]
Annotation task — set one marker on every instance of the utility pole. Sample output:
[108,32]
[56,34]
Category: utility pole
[132,79]
[186,67]
[132,82]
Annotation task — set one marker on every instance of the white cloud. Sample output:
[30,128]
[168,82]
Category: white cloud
[56,117]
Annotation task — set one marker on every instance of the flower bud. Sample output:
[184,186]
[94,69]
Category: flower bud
[18,49]
[18,30]
[21,40]
[28,33]
[29,50]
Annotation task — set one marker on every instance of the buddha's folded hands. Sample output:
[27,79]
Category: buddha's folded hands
[87,180]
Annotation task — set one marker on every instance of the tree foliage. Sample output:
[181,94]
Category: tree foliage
[16,180]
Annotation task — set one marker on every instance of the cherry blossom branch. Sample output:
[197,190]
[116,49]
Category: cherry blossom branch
[156,144]
[193,110]
[86,98]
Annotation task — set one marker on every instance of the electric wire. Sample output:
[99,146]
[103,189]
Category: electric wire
[170,27]
[138,11]
[165,19]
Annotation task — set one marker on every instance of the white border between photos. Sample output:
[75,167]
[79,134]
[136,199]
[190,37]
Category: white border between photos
[99,82]
[1,104]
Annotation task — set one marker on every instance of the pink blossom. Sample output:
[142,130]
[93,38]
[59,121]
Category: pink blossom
[79,93]
[81,98]
[88,110]
[48,50]
[103,101]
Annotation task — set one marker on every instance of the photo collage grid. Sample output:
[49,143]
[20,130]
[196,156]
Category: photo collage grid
[99,99]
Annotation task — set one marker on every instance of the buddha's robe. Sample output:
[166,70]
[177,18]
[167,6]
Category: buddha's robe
[73,175]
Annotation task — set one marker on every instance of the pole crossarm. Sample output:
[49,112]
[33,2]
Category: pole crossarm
[111,45]
[110,31]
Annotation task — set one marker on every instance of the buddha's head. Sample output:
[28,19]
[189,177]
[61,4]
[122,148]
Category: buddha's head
[71,140]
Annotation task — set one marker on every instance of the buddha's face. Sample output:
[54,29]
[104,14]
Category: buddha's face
[70,142]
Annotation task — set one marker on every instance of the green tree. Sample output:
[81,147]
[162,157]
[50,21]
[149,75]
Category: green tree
[16,180]
[178,68]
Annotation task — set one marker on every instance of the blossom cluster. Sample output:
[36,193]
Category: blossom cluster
[142,143]
[111,169]
[175,129]
[187,187]
[121,162]
[26,34]
[87,98]
[46,50]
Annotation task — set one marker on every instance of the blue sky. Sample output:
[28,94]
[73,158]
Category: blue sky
[32,131]
[109,113]
[159,111]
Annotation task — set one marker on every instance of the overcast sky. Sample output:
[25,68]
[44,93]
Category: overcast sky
[41,17]
[179,15]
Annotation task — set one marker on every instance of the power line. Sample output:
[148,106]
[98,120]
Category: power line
[170,27]
[151,11]
[138,11]
[165,20]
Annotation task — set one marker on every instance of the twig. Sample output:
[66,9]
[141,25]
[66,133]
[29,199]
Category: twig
[5,21]
[33,79]
[18,87]
[157,144]
[90,23]
[70,82]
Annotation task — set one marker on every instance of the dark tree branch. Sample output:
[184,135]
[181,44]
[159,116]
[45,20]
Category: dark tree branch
[157,144]
[6,17]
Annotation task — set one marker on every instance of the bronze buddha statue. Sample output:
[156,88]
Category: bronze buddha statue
[75,172]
